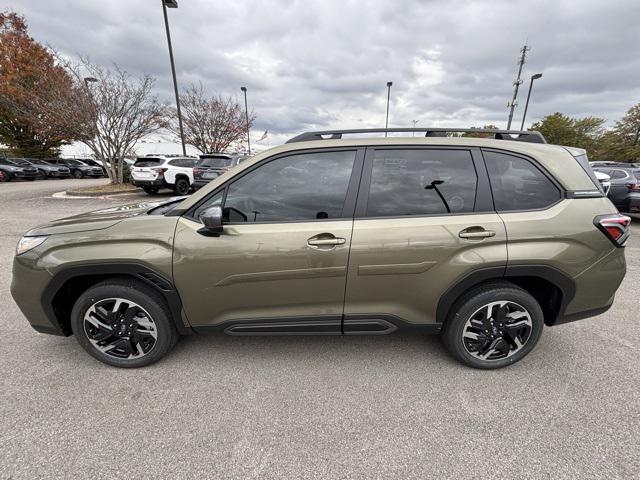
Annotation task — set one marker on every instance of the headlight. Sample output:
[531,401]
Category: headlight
[28,243]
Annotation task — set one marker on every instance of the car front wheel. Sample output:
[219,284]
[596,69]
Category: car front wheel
[493,326]
[77,174]
[42,175]
[123,323]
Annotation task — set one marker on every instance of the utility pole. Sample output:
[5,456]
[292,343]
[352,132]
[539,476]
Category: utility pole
[517,83]
[413,134]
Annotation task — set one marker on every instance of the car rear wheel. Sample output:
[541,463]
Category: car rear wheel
[77,174]
[182,186]
[41,175]
[150,190]
[4,177]
[123,323]
[493,326]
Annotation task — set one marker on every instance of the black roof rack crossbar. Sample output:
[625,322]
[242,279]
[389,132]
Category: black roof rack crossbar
[530,136]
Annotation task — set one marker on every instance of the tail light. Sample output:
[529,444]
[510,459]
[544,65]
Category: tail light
[615,227]
[160,171]
[634,187]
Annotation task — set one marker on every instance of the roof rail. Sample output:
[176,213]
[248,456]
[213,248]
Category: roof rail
[530,136]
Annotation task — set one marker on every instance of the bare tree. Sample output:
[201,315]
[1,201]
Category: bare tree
[118,111]
[211,124]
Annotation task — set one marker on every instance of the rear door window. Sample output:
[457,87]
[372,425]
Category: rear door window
[421,182]
[517,184]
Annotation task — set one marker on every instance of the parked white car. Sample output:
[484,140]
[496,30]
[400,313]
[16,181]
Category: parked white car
[605,181]
[154,173]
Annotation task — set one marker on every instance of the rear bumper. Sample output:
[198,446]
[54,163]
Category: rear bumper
[595,288]
[199,182]
[158,182]
[633,204]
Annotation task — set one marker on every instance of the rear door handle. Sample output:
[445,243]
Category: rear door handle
[319,242]
[476,233]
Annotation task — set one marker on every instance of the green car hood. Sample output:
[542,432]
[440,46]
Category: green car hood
[96,220]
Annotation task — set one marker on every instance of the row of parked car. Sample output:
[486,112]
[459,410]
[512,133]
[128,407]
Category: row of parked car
[40,169]
[181,174]
[622,185]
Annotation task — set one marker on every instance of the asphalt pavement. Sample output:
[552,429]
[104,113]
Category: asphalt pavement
[313,407]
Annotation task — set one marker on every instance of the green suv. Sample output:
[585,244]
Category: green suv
[482,240]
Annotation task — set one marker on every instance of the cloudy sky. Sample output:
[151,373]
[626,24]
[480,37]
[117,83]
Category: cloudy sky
[315,64]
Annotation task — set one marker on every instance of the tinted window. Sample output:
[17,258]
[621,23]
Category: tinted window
[298,187]
[215,162]
[518,184]
[177,163]
[618,174]
[421,182]
[148,162]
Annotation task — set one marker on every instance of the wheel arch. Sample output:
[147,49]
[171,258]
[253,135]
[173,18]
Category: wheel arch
[64,288]
[551,288]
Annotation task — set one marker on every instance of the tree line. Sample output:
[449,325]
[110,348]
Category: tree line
[47,101]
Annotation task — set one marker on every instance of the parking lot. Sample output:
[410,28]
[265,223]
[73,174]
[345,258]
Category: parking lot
[313,407]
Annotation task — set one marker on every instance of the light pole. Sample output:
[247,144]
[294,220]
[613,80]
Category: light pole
[173,4]
[413,134]
[526,105]
[386,123]
[246,115]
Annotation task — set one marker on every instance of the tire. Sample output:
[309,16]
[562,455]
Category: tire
[77,174]
[477,327]
[42,175]
[150,190]
[182,186]
[133,344]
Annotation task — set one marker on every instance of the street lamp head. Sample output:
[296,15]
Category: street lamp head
[536,76]
[170,3]
[244,89]
[90,79]
[389,84]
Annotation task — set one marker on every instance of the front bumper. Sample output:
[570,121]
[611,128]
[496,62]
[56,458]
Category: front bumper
[28,284]
[24,174]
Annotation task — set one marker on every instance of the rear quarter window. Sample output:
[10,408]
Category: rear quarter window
[517,184]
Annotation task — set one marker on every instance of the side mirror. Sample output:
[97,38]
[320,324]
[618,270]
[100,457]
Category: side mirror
[211,218]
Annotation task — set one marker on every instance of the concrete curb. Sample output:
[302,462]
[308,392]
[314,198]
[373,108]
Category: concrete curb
[77,196]
[80,193]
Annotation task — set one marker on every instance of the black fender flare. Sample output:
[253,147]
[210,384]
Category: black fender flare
[137,270]
[546,272]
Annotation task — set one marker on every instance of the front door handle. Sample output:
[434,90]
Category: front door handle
[321,242]
[476,233]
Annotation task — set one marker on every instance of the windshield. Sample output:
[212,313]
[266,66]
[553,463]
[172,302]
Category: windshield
[215,162]
[74,162]
[148,162]
[20,161]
